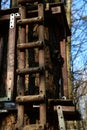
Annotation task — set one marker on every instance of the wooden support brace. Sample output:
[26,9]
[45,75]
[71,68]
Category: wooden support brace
[60,118]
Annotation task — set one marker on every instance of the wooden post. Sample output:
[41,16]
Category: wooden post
[14,3]
[68,48]
[1,49]
[11,57]
[64,68]
[42,64]
[21,64]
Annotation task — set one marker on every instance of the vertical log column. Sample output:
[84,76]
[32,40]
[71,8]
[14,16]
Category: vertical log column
[64,68]
[42,64]
[68,14]
[11,57]
[21,65]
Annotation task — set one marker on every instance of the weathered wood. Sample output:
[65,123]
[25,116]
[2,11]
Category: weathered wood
[11,61]
[1,50]
[68,50]
[64,68]
[42,84]
[68,109]
[32,70]
[14,3]
[21,64]
[33,127]
[30,45]
[8,122]
[67,102]
[30,20]
[4,17]
[26,1]
[31,98]
[26,63]
[60,118]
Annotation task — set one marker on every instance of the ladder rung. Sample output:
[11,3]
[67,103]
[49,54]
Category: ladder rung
[30,45]
[30,20]
[30,98]
[33,127]
[32,70]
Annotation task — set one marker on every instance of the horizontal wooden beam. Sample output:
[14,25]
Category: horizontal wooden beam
[33,127]
[26,1]
[4,17]
[62,102]
[30,45]
[32,70]
[31,98]
[66,108]
[30,20]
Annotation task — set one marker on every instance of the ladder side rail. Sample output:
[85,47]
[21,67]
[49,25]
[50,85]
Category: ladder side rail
[42,86]
[21,65]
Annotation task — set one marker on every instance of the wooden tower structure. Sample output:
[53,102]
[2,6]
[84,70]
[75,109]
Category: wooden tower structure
[33,64]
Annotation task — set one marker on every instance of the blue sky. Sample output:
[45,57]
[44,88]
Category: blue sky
[5,4]
[79,34]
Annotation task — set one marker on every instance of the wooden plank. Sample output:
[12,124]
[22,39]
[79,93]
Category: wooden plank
[4,17]
[62,102]
[33,127]
[26,1]
[64,68]
[11,61]
[66,108]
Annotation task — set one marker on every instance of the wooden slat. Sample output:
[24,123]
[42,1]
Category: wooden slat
[67,109]
[26,1]
[67,102]
[30,45]
[30,20]
[32,70]
[33,127]
[31,98]
[64,68]
[4,17]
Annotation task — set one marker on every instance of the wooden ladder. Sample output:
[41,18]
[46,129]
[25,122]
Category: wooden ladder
[22,71]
